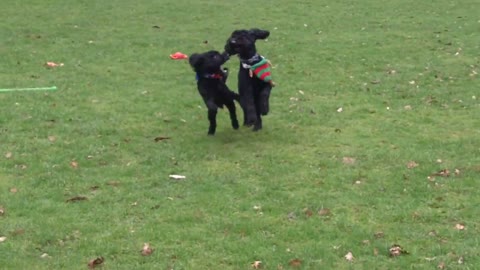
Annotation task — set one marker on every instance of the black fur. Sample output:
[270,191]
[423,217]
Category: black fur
[211,84]
[254,93]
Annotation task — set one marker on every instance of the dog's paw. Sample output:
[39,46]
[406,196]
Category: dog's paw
[235,124]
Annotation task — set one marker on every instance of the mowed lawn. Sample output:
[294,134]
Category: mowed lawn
[373,139]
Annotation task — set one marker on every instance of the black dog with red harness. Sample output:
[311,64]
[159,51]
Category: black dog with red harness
[211,84]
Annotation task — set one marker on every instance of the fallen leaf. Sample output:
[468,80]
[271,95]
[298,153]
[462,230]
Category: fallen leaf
[349,257]
[397,250]
[13,190]
[348,160]
[52,138]
[44,255]
[324,212]
[295,263]
[77,198]
[74,164]
[442,173]
[257,264]
[53,64]
[146,250]
[460,260]
[291,216]
[2,210]
[431,259]
[412,164]
[375,252]
[8,155]
[457,171]
[2,239]
[95,262]
[113,183]
[340,109]
[379,235]
[366,242]
[407,107]
[460,227]
[177,177]
[375,82]
[161,138]
[308,212]
[441,265]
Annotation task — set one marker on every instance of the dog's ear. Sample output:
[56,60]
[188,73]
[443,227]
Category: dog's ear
[258,33]
[195,60]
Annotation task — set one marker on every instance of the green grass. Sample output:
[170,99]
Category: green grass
[247,195]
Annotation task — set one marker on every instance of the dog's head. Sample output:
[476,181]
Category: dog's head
[208,62]
[243,41]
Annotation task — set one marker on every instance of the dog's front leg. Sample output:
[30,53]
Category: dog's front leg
[212,118]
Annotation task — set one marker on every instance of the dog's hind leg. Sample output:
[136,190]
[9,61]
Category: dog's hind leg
[264,103]
[212,118]
[233,114]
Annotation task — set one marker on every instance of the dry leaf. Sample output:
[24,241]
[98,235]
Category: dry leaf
[44,255]
[379,235]
[8,155]
[2,239]
[2,210]
[407,107]
[348,160]
[13,190]
[77,198]
[74,164]
[161,138]
[177,177]
[324,212]
[442,173]
[257,264]
[460,227]
[349,257]
[340,109]
[457,171]
[375,252]
[412,164]
[52,138]
[308,212]
[460,260]
[95,262]
[397,250]
[295,263]
[441,265]
[146,250]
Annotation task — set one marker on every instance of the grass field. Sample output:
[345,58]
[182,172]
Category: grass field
[373,97]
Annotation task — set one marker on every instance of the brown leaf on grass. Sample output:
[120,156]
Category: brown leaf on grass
[348,160]
[257,264]
[147,249]
[52,138]
[375,252]
[95,262]
[308,212]
[161,138]
[14,190]
[113,183]
[18,232]
[349,257]
[8,155]
[295,263]
[460,226]
[457,172]
[2,210]
[379,235]
[441,265]
[2,239]
[77,198]
[324,212]
[74,164]
[412,164]
[460,260]
[442,173]
[397,250]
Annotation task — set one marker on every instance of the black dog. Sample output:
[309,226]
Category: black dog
[254,90]
[211,84]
